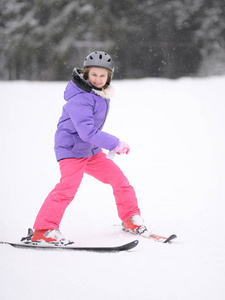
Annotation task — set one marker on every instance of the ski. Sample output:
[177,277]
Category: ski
[27,243]
[162,239]
[38,246]
[155,237]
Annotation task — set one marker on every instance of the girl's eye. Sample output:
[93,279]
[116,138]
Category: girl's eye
[95,75]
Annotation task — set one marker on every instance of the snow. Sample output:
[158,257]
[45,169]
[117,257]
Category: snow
[177,166]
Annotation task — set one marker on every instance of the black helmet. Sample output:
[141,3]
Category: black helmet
[99,59]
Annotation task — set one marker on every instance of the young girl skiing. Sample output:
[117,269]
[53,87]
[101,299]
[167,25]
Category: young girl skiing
[78,142]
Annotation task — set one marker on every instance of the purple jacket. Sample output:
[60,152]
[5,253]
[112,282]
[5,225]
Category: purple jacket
[79,128]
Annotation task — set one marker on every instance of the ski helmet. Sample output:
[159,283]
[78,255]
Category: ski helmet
[99,59]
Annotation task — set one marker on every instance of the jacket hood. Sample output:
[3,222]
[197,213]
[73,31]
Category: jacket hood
[79,85]
[77,78]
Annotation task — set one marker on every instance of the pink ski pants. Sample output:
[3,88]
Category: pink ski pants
[72,171]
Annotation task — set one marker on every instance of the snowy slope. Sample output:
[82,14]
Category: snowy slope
[176,132]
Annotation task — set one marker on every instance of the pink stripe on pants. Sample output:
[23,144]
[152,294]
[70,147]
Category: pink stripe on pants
[72,171]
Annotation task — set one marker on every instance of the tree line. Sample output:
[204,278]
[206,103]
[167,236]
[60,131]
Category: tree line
[44,40]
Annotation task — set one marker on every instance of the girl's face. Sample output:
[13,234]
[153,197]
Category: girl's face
[98,76]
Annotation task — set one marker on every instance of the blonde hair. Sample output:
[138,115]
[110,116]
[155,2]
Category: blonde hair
[86,71]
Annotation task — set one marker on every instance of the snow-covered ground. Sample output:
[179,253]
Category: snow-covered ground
[176,131]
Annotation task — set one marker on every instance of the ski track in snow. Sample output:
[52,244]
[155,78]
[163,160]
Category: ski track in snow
[176,132]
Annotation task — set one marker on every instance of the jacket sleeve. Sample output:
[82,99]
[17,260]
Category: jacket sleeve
[80,111]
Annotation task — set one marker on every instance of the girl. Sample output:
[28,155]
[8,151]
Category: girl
[78,142]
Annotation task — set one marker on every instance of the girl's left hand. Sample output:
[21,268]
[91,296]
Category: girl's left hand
[122,148]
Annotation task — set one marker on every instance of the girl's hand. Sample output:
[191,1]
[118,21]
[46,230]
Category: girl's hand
[122,148]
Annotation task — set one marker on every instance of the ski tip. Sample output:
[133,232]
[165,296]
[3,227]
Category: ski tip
[135,242]
[129,246]
[170,238]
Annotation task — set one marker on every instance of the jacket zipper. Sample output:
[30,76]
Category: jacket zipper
[107,108]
